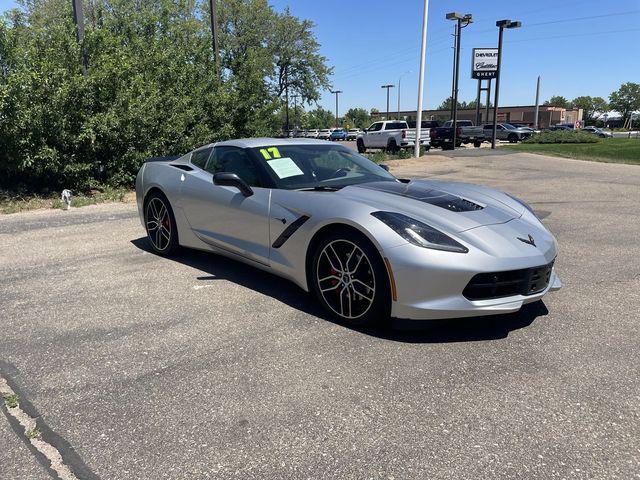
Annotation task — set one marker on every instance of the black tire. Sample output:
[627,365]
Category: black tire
[477,143]
[342,281]
[361,147]
[160,224]
[513,138]
[447,146]
[392,146]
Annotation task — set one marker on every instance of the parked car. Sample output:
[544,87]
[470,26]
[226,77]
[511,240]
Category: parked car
[506,131]
[324,134]
[555,128]
[597,131]
[425,124]
[301,133]
[390,135]
[367,245]
[466,132]
[338,134]
[353,133]
[312,133]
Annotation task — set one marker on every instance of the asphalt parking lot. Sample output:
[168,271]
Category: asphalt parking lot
[196,367]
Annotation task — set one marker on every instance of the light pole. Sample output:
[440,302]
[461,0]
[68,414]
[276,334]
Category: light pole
[336,92]
[423,51]
[214,36]
[399,85]
[459,18]
[388,86]
[501,24]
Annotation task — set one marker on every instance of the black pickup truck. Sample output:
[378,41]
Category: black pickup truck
[467,132]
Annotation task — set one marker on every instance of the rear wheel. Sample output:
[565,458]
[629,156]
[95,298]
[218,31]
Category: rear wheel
[513,138]
[361,147]
[392,146]
[160,224]
[350,280]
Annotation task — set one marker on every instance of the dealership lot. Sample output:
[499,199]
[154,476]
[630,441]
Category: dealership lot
[200,367]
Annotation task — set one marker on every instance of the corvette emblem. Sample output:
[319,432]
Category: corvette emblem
[529,241]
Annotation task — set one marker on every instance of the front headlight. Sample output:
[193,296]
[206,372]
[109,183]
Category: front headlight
[419,233]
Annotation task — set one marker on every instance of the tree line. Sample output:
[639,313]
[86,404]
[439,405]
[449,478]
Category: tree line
[149,87]
[625,101]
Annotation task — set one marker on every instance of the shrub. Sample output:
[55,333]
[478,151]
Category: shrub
[562,136]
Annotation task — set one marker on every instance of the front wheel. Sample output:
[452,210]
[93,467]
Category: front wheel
[350,280]
[513,138]
[160,225]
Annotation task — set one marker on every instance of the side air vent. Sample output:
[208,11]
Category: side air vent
[186,168]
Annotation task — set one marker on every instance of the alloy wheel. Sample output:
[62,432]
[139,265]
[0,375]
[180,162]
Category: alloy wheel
[345,279]
[158,224]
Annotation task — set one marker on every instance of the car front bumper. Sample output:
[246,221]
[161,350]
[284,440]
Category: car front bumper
[429,283]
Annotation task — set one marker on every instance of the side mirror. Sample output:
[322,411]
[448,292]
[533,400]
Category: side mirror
[228,179]
[384,167]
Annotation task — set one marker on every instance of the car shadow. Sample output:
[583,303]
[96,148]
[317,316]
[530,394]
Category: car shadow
[492,327]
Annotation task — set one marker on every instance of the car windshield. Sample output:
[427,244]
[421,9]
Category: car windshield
[299,166]
[508,126]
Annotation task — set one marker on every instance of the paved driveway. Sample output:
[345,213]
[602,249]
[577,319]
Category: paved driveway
[199,367]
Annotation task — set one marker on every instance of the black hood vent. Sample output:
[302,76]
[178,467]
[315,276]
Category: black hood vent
[425,194]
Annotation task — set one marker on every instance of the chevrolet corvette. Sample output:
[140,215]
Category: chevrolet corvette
[368,245]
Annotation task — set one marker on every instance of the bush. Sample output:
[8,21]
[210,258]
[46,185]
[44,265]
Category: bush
[562,136]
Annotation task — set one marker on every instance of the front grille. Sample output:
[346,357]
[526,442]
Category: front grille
[527,281]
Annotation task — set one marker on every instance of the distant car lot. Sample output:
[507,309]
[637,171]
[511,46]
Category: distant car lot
[202,367]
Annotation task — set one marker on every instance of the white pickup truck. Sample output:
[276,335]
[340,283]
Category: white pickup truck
[390,135]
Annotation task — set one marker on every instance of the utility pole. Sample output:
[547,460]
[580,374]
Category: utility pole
[459,19]
[286,97]
[501,24]
[455,73]
[423,51]
[214,37]
[535,120]
[78,19]
[388,86]
[336,92]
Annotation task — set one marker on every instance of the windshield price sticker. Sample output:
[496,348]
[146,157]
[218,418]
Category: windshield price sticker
[284,167]
[269,153]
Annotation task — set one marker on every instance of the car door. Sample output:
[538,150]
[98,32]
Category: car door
[222,216]
[374,135]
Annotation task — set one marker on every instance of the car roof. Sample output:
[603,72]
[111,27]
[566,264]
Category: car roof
[266,142]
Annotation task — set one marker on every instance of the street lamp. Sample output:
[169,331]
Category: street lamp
[460,19]
[501,24]
[399,85]
[336,92]
[388,86]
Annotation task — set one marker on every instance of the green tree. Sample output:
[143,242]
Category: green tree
[320,118]
[592,107]
[626,99]
[149,88]
[448,102]
[358,117]
[558,101]
[299,67]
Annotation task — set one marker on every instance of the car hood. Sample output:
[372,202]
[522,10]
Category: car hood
[451,206]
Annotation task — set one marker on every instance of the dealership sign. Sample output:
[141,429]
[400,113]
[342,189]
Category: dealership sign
[484,63]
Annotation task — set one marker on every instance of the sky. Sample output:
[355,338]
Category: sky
[578,47]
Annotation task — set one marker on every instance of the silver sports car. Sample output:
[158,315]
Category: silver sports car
[367,244]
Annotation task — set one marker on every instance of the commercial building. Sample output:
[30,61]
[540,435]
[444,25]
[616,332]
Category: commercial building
[548,115]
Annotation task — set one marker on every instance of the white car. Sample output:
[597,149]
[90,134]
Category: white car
[353,133]
[312,134]
[324,134]
[391,135]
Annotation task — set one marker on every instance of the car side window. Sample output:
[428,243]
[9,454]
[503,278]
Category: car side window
[376,127]
[234,160]
[199,157]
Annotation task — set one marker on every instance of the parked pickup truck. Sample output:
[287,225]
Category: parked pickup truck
[390,135]
[467,133]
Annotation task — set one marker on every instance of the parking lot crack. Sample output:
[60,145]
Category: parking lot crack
[31,428]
